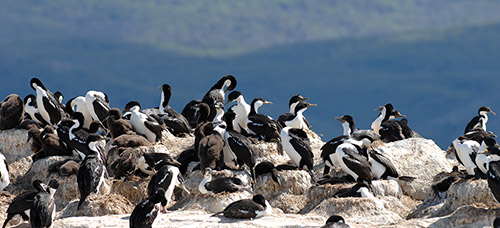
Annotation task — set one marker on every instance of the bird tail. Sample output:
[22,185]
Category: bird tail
[216,214]
[82,200]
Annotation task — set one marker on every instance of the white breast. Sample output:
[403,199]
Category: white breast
[287,146]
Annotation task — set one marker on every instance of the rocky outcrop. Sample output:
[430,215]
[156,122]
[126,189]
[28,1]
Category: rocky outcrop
[297,202]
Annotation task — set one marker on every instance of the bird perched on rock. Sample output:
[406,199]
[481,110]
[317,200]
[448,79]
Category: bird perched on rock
[220,184]
[118,126]
[479,122]
[292,103]
[167,178]
[298,147]
[358,190]
[97,104]
[264,127]
[242,110]
[146,211]
[49,106]
[11,112]
[144,124]
[43,210]
[174,121]
[91,172]
[247,208]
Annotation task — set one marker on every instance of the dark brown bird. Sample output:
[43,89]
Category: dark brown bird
[118,126]
[51,144]
[130,141]
[11,112]
[210,151]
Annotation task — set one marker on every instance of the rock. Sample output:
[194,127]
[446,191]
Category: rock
[98,205]
[176,145]
[13,144]
[134,188]
[359,210]
[416,157]
[461,193]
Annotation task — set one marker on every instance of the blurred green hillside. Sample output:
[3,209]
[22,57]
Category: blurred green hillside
[436,61]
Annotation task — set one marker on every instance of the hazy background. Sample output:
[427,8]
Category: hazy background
[435,61]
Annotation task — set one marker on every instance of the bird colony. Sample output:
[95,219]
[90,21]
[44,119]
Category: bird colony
[222,157]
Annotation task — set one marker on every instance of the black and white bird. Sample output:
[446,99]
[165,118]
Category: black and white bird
[466,152]
[483,155]
[149,162]
[144,124]
[298,147]
[30,108]
[91,173]
[479,121]
[48,105]
[335,221]
[97,104]
[264,127]
[217,93]
[353,160]
[21,204]
[493,167]
[296,119]
[220,184]
[292,103]
[167,178]
[328,150]
[174,121]
[247,208]
[381,166]
[78,104]
[80,139]
[146,211]
[238,149]
[11,112]
[4,173]
[267,167]
[242,110]
[43,210]
[358,190]
[388,129]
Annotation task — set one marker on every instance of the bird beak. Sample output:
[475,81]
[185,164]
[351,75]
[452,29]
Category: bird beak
[492,112]
[268,102]
[379,108]
[400,115]
[159,87]
[341,119]
[303,98]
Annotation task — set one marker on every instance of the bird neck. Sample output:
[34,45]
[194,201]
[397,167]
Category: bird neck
[165,98]
[347,128]
[202,187]
[219,115]
[483,119]
[292,106]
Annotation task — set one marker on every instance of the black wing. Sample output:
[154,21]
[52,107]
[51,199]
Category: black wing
[380,158]
[225,184]
[52,110]
[242,209]
[88,176]
[101,108]
[331,146]
[494,179]
[284,118]
[176,121]
[263,126]
[154,127]
[301,144]
[143,214]
[242,148]
[358,164]
[160,179]
[191,112]
[391,131]
[473,124]
[406,130]
[41,211]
